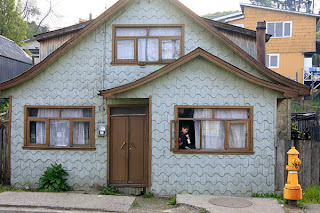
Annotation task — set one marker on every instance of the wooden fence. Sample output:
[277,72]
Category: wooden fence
[4,162]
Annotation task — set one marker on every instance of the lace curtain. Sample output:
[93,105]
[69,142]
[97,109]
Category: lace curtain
[213,132]
[60,129]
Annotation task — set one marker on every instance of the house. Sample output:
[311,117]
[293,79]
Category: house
[13,60]
[293,41]
[110,102]
[33,46]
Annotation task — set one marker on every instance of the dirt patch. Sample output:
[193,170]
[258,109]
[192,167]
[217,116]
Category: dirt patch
[158,204]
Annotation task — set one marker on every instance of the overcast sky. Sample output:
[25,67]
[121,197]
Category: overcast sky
[71,10]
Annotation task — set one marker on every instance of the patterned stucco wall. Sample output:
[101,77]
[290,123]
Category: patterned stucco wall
[200,82]
[164,12]
[77,76]
[73,80]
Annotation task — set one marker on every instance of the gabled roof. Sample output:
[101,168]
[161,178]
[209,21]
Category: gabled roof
[231,15]
[235,29]
[242,5]
[62,31]
[302,89]
[10,49]
[288,92]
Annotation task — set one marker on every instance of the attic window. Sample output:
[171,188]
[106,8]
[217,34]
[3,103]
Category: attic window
[280,29]
[147,44]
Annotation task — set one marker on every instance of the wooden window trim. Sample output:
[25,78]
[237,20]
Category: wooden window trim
[116,61]
[46,146]
[227,150]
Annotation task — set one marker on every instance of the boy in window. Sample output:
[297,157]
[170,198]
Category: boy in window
[184,139]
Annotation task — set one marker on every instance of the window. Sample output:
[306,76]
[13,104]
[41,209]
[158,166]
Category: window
[212,129]
[273,60]
[280,29]
[59,127]
[239,25]
[147,44]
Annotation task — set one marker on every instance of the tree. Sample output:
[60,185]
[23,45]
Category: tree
[12,24]
[293,5]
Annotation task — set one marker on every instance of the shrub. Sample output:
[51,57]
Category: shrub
[173,200]
[148,195]
[53,179]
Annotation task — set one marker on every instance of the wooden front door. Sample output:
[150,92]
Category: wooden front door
[128,149]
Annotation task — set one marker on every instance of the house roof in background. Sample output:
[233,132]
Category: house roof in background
[221,18]
[302,89]
[62,31]
[242,5]
[236,29]
[10,49]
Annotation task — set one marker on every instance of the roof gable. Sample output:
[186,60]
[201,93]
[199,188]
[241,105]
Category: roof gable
[288,92]
[302,89]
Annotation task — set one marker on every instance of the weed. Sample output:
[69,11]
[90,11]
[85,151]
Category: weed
[135,204]
[203,211]
[311,194]
[108,191]
[280,198]
[53,179]
[301,204]
[173,200]
[148,195]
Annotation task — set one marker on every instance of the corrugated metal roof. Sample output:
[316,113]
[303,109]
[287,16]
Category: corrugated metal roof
[10,49]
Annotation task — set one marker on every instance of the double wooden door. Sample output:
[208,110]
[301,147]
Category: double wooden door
[128,150]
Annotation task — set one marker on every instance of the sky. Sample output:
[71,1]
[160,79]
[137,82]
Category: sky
[68,12]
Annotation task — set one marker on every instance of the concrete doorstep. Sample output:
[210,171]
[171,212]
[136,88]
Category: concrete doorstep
[66,201]
[235,205]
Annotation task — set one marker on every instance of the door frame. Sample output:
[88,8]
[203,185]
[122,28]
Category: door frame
[147,155]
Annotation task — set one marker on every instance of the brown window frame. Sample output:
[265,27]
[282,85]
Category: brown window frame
[174,131]
[46,146]
[135,61]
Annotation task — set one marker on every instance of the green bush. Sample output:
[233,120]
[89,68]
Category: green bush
[53,179]
[108,191]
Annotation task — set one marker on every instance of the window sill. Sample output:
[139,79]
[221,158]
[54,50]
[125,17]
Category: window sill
[227,152]
[58,148]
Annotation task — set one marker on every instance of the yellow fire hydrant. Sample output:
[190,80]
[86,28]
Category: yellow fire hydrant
[292,190]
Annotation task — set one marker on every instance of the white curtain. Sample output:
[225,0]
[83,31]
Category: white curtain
[131,31]
[125,49]
[237,131]
[200,113]
[238,135]
[59,132]
[148,49]
[170,49]
[79,136]
[41,126]
[165,31]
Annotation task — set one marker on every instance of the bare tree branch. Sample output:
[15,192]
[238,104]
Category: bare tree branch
[50,8]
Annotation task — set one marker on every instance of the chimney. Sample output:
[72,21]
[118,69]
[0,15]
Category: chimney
[261,42]
[90,16]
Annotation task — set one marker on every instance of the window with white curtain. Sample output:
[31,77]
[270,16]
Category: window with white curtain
[58,127]
[212,129]
[273,60]
[280,29]
[147,44]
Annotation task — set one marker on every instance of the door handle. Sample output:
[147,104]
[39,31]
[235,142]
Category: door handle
[124,143]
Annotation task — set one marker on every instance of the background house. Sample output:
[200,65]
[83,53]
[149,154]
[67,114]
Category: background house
[33,46]
[13,60]
[293,41]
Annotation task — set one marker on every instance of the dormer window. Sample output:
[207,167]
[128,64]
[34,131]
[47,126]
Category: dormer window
[142,44]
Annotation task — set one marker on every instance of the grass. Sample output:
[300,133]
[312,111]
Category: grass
[173,200]
[302,107]
[108,191]
[279,198]
[311,194]
[148,195]
[11,188]
[135,204]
